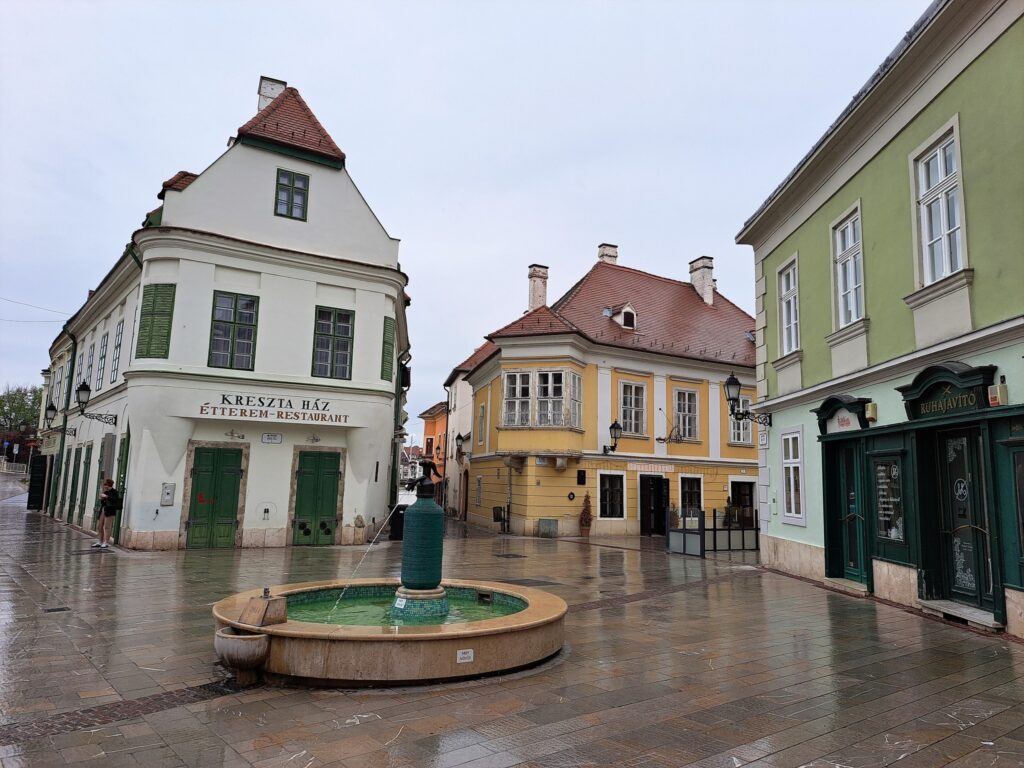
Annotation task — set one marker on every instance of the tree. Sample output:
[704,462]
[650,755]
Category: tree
[18,404]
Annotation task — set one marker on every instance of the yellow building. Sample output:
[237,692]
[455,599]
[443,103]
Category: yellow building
[622,346]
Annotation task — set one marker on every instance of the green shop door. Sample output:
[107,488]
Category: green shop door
[964,519]
[316,498]
[74,485]
[84,498]
[213,509]
[852,511]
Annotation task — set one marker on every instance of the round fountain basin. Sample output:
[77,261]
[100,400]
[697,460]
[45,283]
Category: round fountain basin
[521,626]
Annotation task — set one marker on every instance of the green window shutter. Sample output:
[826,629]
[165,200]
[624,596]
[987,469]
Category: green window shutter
[155,320]
[387,362]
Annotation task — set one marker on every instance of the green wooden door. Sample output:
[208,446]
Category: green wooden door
[122,470]
[85,483]
[316,498]
[852,510]
[213,510]
[64,483]
[73,496]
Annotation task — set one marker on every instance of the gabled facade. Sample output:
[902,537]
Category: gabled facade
[625,346]
[247,352]
[435,435]
[890,329]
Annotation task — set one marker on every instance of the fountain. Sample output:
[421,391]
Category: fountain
[418,629]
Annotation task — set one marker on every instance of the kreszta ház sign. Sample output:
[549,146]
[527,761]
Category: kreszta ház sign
[267,408]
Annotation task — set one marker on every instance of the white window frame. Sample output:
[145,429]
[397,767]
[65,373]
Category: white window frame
[682,510]
[948,186]
[625,503]
[848,257]
[115,357]
[789,301]
[551,408]
[794,486]
[689,431]
[741,431]
[575,400]
[481,423]
[58,385]
[522,404]
[101,361]
[626,422]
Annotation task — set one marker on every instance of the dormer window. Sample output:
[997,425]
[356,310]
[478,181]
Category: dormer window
[623,314]
[628,319]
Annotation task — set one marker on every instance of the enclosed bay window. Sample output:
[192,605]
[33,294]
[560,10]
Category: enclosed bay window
[849,271]
[686,414]
[789,311]
[940,210]
[633,408]
[233,332]
[792,469]
[550,399]
[517,400]
[332,343]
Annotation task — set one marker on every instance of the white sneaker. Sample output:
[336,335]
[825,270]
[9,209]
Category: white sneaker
[104,546]
[97,544]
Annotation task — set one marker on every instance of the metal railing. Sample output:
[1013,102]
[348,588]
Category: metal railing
[732,529]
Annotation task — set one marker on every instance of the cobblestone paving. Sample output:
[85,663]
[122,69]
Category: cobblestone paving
[670,662]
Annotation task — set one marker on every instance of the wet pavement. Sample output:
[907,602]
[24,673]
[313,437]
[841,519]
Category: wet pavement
[107,659]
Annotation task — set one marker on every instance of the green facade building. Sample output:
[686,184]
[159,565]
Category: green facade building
[890,330]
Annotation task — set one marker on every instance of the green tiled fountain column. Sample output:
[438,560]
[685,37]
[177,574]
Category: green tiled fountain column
[422,549]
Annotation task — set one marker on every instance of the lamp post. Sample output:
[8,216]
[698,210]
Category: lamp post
[615,430]
[50,414]
[82,394]
[732,395]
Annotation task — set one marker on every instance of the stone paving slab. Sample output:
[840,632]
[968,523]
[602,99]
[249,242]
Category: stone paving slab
[670,661]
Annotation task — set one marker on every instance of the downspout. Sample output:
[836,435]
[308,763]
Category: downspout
[64,422]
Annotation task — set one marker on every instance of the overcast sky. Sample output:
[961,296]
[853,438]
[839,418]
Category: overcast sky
[485,135]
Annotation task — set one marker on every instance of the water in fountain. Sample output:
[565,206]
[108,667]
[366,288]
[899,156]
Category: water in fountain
[355,570]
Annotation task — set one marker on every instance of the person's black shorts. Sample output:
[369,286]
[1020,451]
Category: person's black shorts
[109,512]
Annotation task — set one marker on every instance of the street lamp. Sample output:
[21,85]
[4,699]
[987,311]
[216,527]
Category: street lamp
[615,430]
[82,393]
[459,442]
[732,395]
[49,414]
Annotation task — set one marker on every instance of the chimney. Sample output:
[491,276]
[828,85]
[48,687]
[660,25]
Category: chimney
[269,90]
[538,275]
[701,278]
[608,253]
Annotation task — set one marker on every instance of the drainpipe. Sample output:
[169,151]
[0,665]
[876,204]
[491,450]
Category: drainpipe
[131,250]
[64,422]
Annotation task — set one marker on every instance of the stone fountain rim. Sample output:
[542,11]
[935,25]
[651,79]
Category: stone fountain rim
[541,608]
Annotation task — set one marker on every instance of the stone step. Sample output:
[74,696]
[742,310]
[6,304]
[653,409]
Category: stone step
[975,617]
[848,586]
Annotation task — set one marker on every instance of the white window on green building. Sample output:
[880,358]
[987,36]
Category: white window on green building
[634,408]
[849,271]
[792,471]
[517,400]
[940,210]
[789,311]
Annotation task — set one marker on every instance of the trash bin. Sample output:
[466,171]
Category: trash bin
[397,523]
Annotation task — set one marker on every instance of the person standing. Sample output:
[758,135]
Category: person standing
[110,505]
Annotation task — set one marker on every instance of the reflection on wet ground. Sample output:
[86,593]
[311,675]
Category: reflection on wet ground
[107,659]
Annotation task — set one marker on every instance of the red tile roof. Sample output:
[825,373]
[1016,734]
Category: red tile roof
[480,355]
[539,322]
[671,317]
[287,120]
[435,409]
[177,182]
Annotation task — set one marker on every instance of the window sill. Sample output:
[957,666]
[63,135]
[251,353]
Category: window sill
[689,440]
[799,521]
[749,444]
[546,427]
[854,330]
[620,517]
[947,285]
[634,437]
[788,361]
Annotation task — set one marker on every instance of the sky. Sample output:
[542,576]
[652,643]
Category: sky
[486,136]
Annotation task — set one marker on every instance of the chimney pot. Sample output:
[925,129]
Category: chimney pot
[538,279]
[702,278]
[270,88]
[608,253]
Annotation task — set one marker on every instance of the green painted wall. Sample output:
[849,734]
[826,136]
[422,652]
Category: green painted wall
[989,97]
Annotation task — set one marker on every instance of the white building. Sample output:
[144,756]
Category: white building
[248,351]
[459,444]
